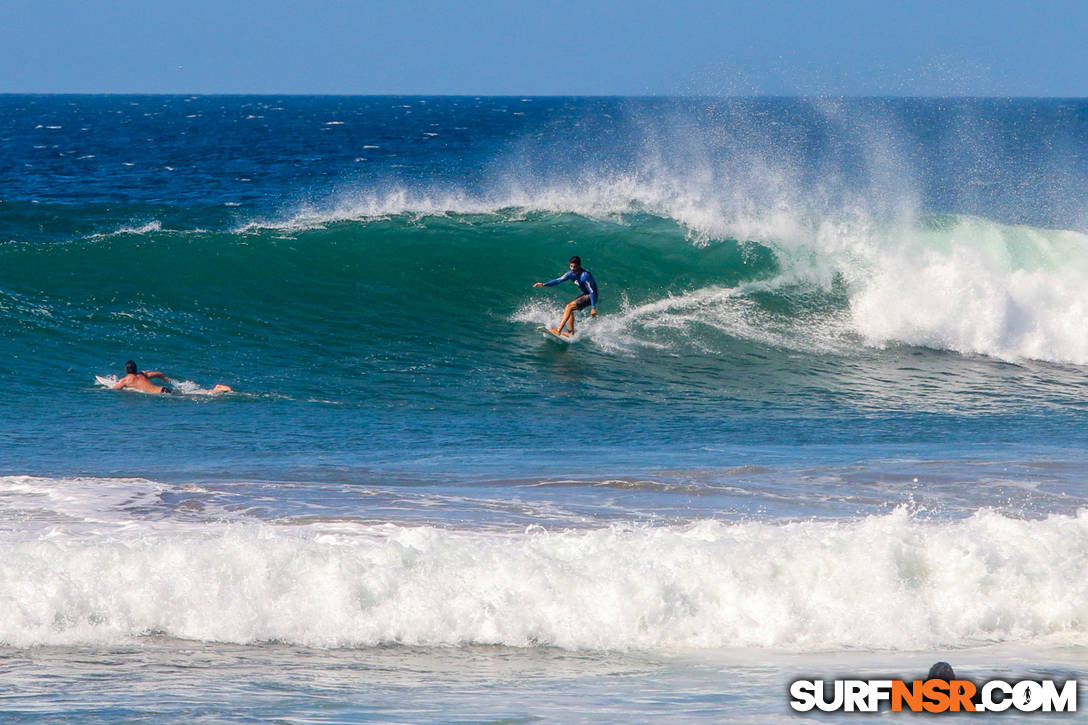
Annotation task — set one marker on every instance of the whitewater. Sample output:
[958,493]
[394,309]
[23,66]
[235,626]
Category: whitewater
[102,578]
[830,420]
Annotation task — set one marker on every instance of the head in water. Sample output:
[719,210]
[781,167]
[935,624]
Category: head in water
[130,368]
[575,262]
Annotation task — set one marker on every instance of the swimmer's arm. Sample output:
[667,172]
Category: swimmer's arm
[154,374]
[120,384]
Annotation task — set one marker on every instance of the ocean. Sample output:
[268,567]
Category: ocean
[831,421]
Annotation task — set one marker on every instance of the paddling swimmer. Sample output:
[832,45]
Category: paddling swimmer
[588,298]
[141,381]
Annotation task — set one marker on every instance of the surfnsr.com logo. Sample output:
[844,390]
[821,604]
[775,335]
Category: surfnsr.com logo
[933,695]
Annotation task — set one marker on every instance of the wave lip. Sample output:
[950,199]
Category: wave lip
[892,582]
[143,229]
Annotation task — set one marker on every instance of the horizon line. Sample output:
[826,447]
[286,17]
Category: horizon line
[661,96]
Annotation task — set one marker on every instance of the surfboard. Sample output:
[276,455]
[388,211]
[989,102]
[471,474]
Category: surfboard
[105,382]
[568,339]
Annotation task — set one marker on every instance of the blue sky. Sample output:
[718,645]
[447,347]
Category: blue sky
[637,47]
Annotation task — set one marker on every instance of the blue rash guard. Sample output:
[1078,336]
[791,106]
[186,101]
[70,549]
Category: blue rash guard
[585,282]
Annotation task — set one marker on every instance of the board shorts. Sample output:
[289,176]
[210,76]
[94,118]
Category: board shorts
[167,390]
[580,303]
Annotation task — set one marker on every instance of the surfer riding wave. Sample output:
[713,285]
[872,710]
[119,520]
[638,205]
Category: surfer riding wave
[588,298]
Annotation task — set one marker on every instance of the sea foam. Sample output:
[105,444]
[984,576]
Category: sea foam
[976,286]
[886,582]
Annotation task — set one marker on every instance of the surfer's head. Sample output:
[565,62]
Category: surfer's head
[130,368]
[575,262]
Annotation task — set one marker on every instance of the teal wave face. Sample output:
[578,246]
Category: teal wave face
[463,282]
[400,281]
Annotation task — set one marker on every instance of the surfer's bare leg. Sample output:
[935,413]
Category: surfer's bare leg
[220,388]
[568,316]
